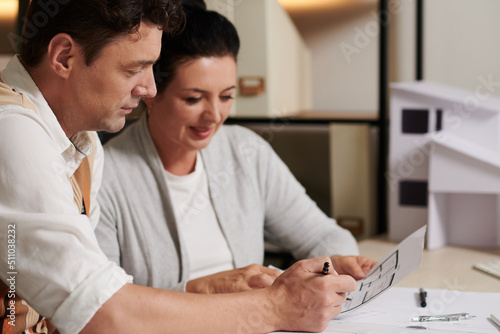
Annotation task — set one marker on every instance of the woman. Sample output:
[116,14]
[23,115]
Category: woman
[186,200]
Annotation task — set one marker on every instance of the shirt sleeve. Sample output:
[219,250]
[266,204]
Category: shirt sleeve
[292,218]
[106,230]
[58,266]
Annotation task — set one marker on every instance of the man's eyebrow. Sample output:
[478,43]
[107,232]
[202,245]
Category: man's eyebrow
[144,62]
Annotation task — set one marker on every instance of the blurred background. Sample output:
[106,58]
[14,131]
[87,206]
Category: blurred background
[315,64]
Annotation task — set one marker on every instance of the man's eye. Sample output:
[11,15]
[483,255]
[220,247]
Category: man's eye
[135,72]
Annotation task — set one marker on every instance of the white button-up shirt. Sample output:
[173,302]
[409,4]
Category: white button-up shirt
[48,251]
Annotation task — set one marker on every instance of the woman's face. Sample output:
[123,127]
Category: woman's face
[195,104]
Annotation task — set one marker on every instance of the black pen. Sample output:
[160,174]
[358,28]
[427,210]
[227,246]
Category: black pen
[326,268]
[422,294]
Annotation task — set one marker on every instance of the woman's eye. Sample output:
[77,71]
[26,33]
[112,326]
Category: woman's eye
[193,100]
[226,97]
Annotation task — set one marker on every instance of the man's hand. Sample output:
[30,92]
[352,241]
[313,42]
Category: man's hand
[305,299]
[301,299]
[247,278]
[356,266]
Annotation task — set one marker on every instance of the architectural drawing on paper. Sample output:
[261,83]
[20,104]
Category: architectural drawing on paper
[395,266]
[444,164]
[379,280]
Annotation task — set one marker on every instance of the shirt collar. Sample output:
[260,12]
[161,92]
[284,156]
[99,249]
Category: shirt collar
[17,77]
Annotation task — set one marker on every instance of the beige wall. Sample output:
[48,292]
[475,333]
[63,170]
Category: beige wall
[289,63]
[343,41]
[253,58]
[343,80]
[461,46]
[402,50]
[462,42]
[225,7]
[271,48]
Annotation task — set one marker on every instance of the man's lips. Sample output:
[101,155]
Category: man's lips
[128,109]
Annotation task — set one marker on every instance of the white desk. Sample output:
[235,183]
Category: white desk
[444,268]
[448,268]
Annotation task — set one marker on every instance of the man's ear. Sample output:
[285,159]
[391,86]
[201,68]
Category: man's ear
[61,54]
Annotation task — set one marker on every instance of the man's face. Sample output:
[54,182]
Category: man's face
[107,90]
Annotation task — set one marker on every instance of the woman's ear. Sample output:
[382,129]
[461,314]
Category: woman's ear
[61,54]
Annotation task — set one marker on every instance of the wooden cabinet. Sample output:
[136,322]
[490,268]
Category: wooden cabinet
[273,54]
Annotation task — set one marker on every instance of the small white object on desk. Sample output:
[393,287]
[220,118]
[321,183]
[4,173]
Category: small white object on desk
[490,267]
[496,320]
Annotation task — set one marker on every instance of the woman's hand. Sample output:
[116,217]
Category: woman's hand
[356,266]
[250,277]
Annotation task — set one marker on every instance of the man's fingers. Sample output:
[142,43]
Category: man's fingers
[313,265]
[356,266]
[343,283]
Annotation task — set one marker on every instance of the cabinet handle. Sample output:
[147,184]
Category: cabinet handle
[251,85]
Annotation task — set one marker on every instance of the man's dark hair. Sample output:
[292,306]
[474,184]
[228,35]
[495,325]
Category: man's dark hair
[92,23]
[205,34]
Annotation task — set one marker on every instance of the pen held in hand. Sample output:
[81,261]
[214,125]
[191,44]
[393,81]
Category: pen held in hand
[326,268]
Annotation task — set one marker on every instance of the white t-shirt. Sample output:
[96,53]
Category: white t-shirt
[197,222]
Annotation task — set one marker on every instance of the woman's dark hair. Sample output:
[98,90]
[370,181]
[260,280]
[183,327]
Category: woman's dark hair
[92,23]
[205,34]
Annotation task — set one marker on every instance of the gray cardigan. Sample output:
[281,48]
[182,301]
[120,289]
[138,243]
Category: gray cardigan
[255,197]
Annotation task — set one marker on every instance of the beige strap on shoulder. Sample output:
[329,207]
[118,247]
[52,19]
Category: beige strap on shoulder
[16,316]
[81,181]
[9,96]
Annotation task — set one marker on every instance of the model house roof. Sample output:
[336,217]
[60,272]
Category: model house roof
[459,166]
[483,95]
[467,148]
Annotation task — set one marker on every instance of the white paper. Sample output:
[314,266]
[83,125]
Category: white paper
[392,313]
[399,263]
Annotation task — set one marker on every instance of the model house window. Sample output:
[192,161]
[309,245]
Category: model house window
[413,193]
[415,121]
[439,120]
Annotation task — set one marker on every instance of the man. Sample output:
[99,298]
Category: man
[83,66]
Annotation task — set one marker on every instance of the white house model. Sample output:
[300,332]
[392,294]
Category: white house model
[444,163]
